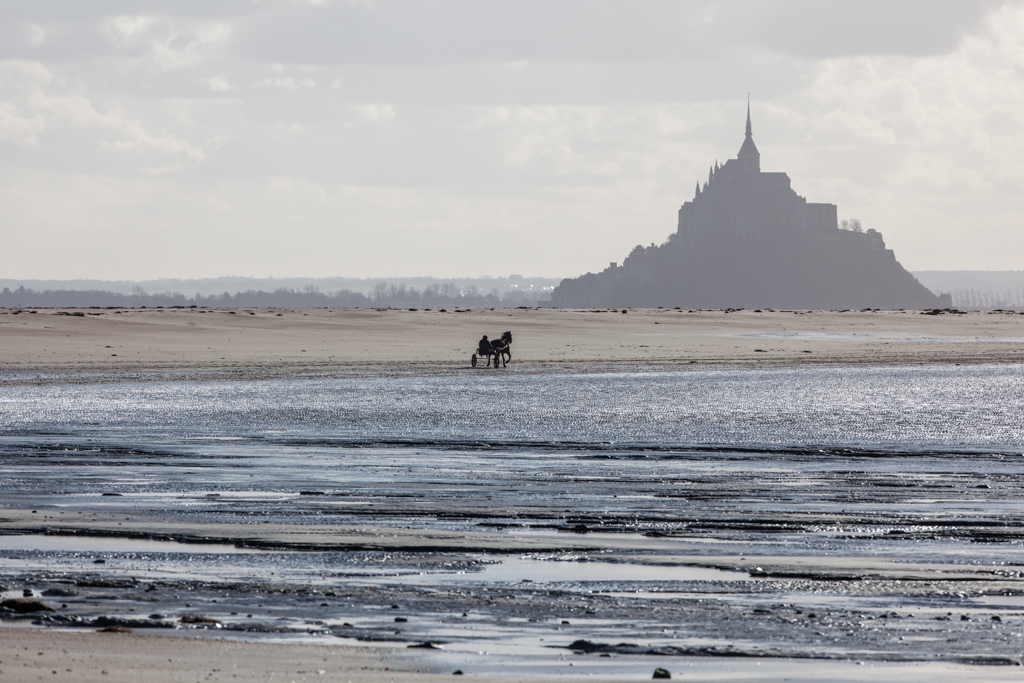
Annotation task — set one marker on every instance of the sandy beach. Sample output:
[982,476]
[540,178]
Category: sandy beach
[283,342]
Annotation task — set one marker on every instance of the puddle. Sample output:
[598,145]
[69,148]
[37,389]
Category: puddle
[853,336]
[1015,601]
[525,569]
[551,570]
[94,544]
[812,335]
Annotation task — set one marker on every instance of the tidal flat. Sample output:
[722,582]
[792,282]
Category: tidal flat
[798,519]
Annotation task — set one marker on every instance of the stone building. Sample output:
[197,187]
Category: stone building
[747,240]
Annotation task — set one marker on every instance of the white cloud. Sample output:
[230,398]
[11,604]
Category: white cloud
[292,187]
[135,136]
[218,84]
[164,44]
[127,29]
[34,103]
[23,130]
[35,34]
[289,83]
[375,112]
[189,47]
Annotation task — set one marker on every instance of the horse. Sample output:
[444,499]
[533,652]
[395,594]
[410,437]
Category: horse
[505,350]
[502,349]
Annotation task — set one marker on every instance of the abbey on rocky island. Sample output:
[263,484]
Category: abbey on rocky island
[747,240]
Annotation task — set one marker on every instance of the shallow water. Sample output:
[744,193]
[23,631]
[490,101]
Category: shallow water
[655,471]
[904,408]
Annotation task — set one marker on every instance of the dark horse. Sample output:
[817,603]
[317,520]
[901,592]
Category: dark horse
[498,348]
[502,349]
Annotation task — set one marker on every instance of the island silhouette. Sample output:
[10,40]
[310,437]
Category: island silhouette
[748,240]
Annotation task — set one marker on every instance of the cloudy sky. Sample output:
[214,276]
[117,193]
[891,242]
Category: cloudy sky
[145,138]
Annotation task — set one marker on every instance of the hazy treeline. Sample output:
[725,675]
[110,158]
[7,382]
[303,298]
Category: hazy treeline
[448,294]
[396,295]
[218,285]
[977,289]
[66,298]
[384,294]
[982,299]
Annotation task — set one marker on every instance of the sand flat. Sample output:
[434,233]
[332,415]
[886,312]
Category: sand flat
[285,341]
[28,654]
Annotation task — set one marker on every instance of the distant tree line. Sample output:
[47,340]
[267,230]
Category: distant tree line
[988,299]
[383,295]
[448,294]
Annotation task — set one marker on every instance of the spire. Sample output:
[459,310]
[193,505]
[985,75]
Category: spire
[698,190]
[748,116]
[749,157]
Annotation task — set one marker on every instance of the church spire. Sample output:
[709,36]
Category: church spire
[749,134]
[749,157]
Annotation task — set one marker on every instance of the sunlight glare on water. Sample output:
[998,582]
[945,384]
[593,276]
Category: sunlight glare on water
[905,406]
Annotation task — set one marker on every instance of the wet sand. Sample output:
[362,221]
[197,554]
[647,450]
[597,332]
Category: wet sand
[31,655]
[27,655]
[254,343]
[855,566]
[686,550]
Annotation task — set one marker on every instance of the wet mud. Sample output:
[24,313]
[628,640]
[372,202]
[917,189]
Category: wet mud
[693,520]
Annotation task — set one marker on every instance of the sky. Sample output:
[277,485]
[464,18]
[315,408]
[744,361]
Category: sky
[143,139]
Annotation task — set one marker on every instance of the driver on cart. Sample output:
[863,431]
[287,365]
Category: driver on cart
[484,349]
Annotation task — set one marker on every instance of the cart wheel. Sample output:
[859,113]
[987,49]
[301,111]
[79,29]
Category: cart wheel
[473,360]
[496,361]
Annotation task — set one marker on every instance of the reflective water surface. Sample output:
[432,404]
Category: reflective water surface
[729,504]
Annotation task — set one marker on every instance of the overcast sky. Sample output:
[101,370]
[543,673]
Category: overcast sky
[144,138]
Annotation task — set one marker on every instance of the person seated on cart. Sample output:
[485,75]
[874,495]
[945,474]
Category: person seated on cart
[484,348]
